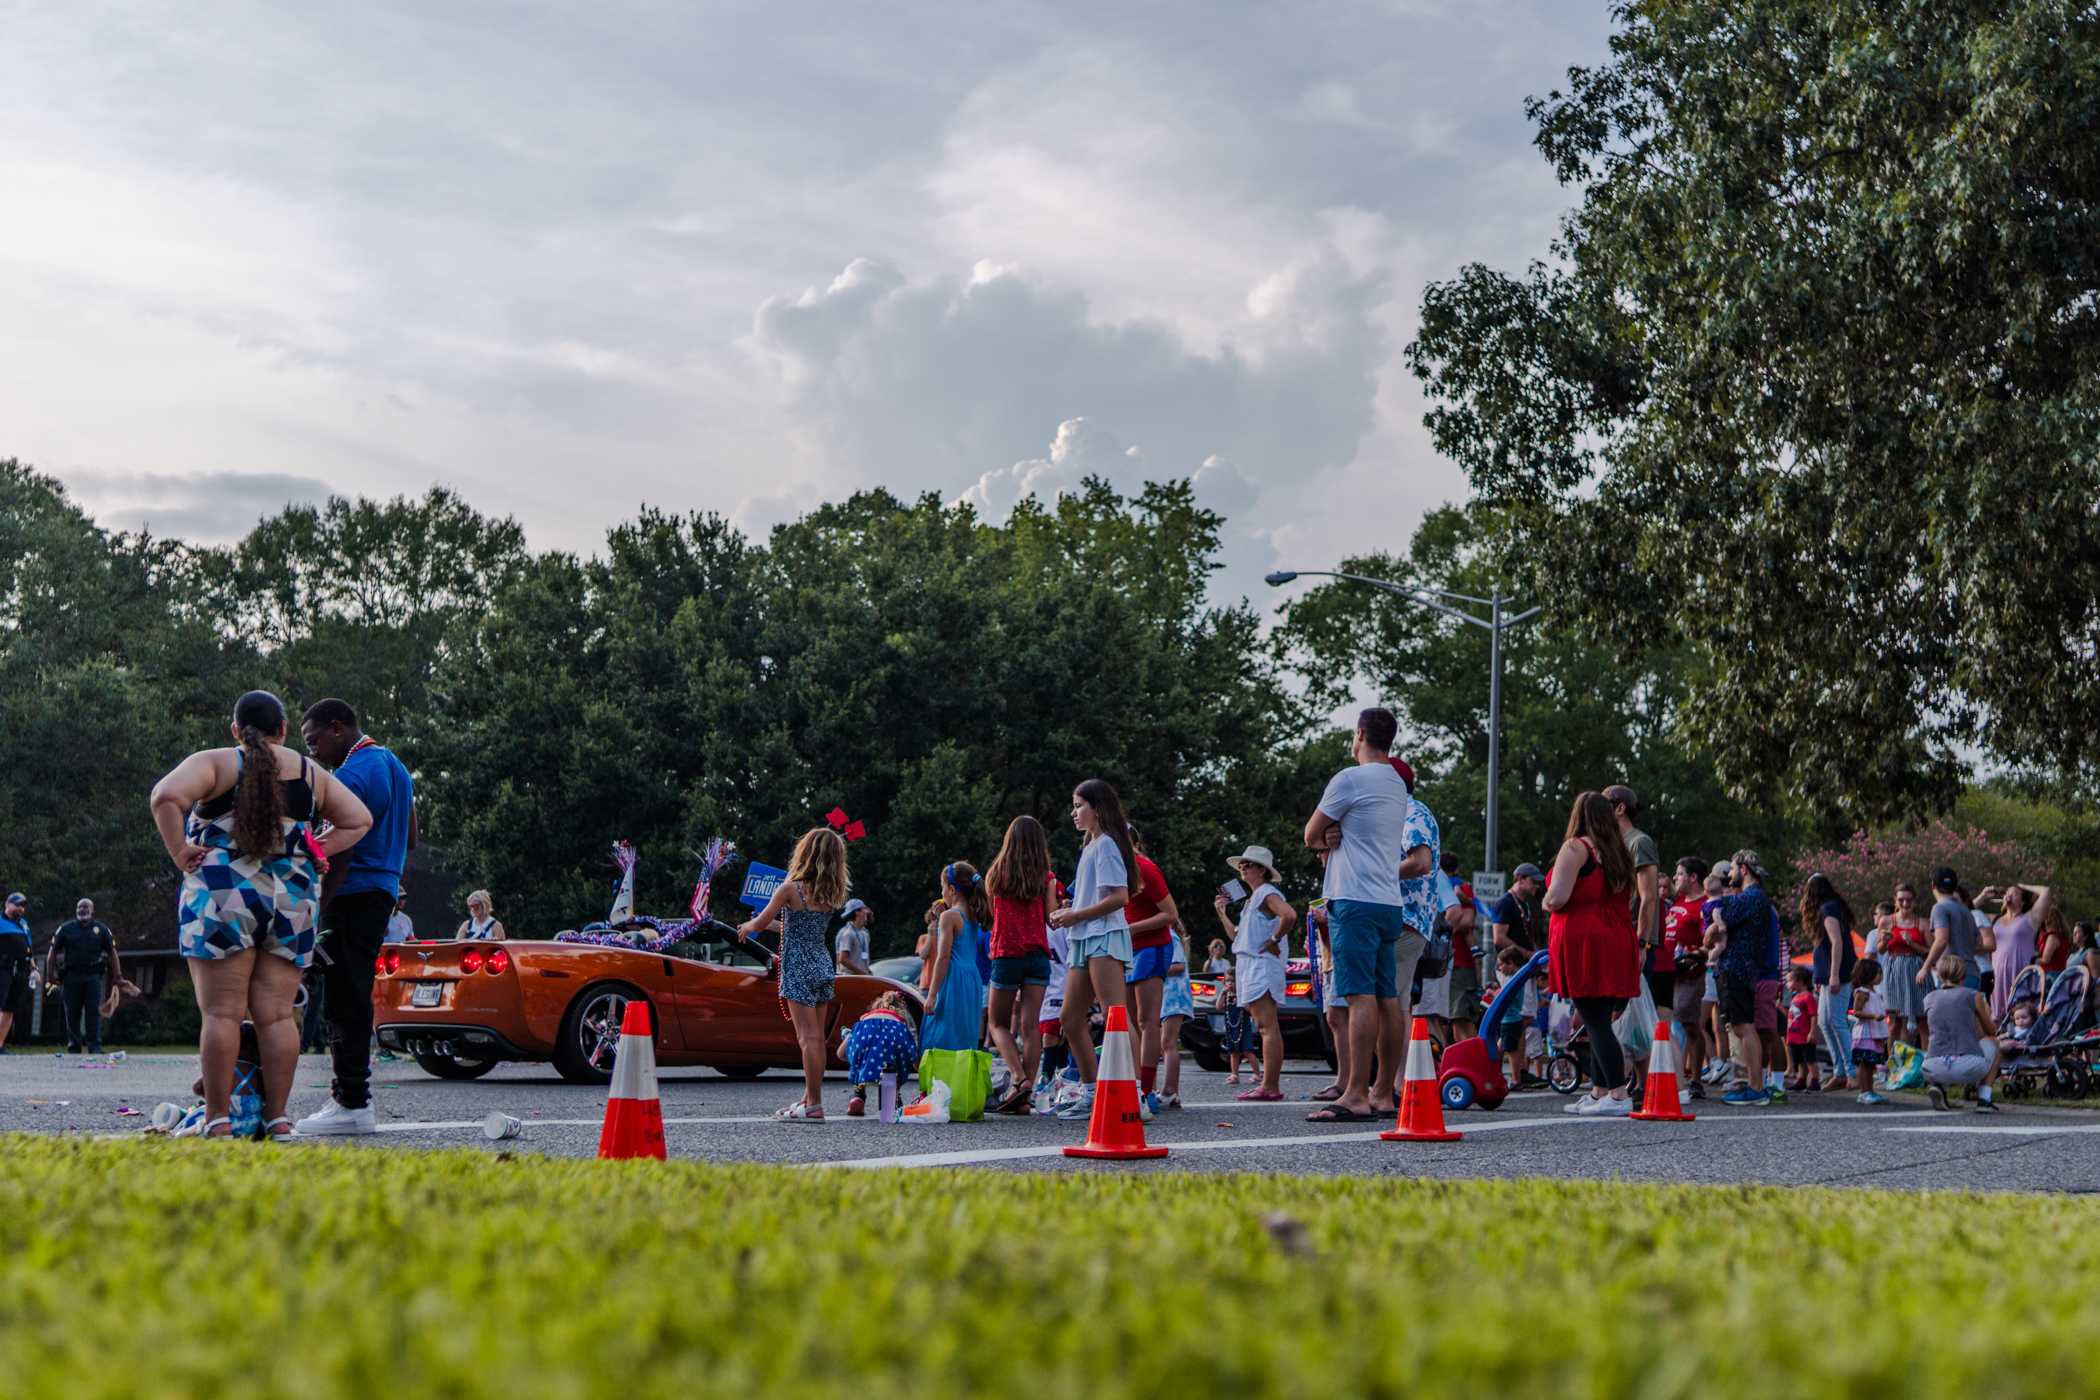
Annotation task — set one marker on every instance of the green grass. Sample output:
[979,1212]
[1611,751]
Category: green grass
[169,1268]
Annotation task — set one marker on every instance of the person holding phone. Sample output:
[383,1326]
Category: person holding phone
[1258,943]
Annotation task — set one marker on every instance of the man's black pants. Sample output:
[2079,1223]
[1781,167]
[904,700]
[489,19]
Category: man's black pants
[356,929]
[83,996]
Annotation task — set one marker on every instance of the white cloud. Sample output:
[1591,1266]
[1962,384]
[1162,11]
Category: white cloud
[395,245]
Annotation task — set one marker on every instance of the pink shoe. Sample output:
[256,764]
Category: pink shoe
[1233,1078]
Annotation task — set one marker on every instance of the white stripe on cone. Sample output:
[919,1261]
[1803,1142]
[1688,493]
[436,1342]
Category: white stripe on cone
[634,1069]
[1115,1058]
[1420,1063]
[1664,1059]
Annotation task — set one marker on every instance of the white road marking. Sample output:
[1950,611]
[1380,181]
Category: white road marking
[2014,1129]
[1016,1154]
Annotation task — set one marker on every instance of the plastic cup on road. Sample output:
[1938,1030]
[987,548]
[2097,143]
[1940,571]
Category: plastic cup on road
[498,1127]
[167,1116]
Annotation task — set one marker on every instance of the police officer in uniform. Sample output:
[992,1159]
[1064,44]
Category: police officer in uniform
[84,948]
[14,963]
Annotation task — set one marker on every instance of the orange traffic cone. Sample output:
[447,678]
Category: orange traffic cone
[1662,1101]
[634,1116]
[1117,1130]
[1421,1108]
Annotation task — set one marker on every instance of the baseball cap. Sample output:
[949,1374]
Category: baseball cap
[1528,871]
[1722,868]
[1406,771]
[1944,878]
[853,906]
[18,898]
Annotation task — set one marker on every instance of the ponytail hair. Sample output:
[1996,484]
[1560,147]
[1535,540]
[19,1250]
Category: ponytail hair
[962,877]
[258,805]
[1115,826]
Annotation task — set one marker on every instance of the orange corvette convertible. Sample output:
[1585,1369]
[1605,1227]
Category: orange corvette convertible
[463,1008]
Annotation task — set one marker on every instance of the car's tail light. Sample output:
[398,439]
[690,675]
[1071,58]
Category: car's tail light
[1201,987]
[388,962]
[499,961]
[470,961]
[1299,989]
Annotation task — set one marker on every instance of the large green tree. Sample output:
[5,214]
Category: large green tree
[104,684]
[932,674]
[1573,715]
[1809,382]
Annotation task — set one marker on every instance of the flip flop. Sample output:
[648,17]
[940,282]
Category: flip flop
[1337,1114]
[1326,1095]
[1261,1096]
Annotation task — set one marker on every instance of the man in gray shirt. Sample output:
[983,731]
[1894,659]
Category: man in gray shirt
[1953,930]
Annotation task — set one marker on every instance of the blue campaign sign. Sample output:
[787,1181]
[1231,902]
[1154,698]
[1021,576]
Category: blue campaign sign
[759,883]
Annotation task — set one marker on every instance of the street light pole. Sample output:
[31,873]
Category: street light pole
[1494,727]
[1496,623]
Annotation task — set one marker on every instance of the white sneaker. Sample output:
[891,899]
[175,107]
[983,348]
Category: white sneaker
[1079,1107]
[1606,1107]
[336,1121]
[1581,1105]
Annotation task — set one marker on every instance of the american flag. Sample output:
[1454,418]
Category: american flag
[713,857]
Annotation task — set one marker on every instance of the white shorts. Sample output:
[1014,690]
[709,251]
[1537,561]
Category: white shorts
[1436,997]
[1256,977]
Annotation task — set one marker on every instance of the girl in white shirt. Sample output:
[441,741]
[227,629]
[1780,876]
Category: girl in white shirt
[1097,953]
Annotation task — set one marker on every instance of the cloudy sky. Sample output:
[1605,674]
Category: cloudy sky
[574,257]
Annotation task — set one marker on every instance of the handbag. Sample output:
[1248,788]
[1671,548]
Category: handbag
[968,1075]
[1906,1068]
[1436,956]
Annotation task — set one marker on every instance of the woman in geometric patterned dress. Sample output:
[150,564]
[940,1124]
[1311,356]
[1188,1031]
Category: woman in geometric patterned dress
[238,822]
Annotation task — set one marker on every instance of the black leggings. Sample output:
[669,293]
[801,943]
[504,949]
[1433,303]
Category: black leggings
[1607,1063]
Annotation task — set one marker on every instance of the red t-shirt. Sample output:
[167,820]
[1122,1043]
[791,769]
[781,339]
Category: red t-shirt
[1462,948]
[1681,931]
[1800,1011]
[1145,905]
[1018,926]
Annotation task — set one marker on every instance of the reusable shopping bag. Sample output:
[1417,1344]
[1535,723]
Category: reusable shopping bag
[1636,1024]
[968,1075]
[1906,1066]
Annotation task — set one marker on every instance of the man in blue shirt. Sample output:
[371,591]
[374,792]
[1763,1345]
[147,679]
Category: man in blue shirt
[357,899]
[14,963]
[1744,927]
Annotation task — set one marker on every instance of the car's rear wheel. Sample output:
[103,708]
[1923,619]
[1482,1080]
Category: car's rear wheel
[739,1071]
[447,1067]
[590,1033]
[1211,1061]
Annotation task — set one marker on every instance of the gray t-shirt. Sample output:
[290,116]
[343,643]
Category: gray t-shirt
[1645,852]
[1950,914]
[1950,1019]
[853,940]
[1371,803]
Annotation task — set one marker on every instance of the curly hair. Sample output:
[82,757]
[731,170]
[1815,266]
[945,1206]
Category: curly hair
[258,803]
[819,866]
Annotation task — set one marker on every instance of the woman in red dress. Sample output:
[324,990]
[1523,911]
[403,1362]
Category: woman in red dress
[1594,956]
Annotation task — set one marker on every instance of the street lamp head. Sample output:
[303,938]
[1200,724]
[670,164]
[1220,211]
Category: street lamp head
[1280,578]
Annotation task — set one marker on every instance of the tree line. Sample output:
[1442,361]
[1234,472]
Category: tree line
[931,673]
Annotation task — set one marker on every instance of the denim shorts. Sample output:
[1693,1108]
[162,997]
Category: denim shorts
[1367,939]
[1150,963]
[1022,970]
[1111,943]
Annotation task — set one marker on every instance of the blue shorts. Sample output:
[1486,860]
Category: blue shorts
[1366,939]
[1021,970]
[1150,963]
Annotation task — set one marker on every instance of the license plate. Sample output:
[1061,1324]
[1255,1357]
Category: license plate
[427,994]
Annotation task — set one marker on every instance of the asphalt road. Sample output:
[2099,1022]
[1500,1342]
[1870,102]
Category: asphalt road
[1813,1139]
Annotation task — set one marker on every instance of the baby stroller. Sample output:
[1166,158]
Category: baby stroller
[2053,1059]
[1568,1052]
